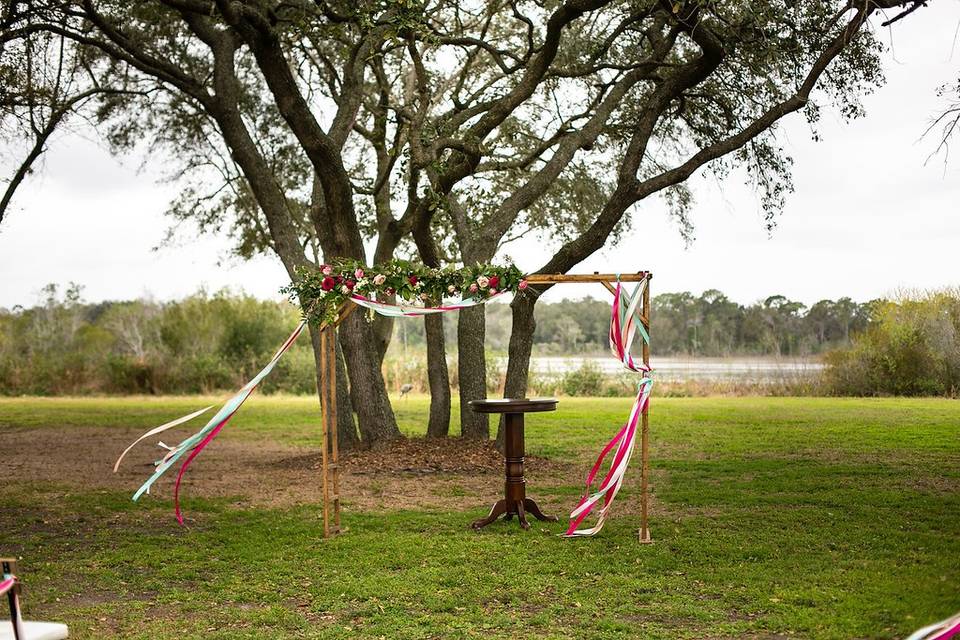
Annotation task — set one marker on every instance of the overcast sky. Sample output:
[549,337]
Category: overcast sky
[869,215]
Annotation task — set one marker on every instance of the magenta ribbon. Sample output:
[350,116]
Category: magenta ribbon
[943,630]
[193,445]
[249,388]
[623,327]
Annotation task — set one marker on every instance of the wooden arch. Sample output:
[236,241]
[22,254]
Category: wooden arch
[330,456]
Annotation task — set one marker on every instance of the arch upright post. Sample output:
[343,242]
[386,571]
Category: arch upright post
[644,532]
[605,279]
[330,447]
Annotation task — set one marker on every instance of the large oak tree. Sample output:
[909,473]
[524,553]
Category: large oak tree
[434,128]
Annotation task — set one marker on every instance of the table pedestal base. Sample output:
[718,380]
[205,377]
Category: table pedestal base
[508,509]
[515,501]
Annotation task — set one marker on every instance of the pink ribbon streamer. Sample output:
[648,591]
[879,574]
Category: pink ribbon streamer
[193,454]
[621,337]
[624,442]
[943,630]
[193,445]
[213,433]
[949,633]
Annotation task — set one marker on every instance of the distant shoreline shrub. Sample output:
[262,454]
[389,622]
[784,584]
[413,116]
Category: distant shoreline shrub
[910,348]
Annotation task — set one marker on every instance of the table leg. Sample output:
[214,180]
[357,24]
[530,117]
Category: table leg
[534,510]
[515,486]
[522,515]
[515,501]
[497,510]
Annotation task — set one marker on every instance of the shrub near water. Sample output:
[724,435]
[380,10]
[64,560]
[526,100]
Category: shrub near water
[911,347]
[200,344]
[587,380]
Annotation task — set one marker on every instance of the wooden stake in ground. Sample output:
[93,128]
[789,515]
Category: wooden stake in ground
[330,448]
[645,428]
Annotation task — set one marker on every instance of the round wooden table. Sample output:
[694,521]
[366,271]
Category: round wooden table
[515,501]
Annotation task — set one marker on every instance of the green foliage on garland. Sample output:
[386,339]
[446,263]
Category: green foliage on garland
[320,292]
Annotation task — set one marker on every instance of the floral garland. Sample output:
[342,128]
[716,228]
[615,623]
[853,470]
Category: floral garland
[320,292]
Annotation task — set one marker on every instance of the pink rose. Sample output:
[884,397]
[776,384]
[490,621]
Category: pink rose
[326,270]
[327,284]
[523,285]
[379,279]
[494,281]
[474,287]
[358,273]
[493,291]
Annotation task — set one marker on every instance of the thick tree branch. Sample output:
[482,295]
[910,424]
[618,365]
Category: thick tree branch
[223,108]
[43,134]
[629,191]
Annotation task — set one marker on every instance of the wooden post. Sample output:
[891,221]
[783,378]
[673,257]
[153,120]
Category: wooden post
[554,278]
[645,430]
[330,445]
[334,464]
[326,408]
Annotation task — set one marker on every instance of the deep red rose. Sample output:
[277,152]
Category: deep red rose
[494,281]
[327,283]
[413,281]
[350,284]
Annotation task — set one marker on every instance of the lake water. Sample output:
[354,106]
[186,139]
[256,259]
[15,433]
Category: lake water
[768,369]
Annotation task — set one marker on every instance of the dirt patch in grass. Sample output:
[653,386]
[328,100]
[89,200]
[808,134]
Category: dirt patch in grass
[419,456]
[414,473]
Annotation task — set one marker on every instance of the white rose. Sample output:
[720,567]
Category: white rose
[483,281]
[345,290]
[379,279]
[452,289]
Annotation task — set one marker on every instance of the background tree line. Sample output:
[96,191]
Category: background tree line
[684,324]
[209,342]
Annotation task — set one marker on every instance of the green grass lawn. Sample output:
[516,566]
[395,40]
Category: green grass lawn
[774,517]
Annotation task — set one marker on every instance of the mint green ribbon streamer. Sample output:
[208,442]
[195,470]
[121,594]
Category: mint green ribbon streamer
[226,410]
[626,303]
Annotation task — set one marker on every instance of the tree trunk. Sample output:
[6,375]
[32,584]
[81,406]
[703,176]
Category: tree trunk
[437,374]
[367,389]
[472,370]
[521,344]
[382,327]
[439,425]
